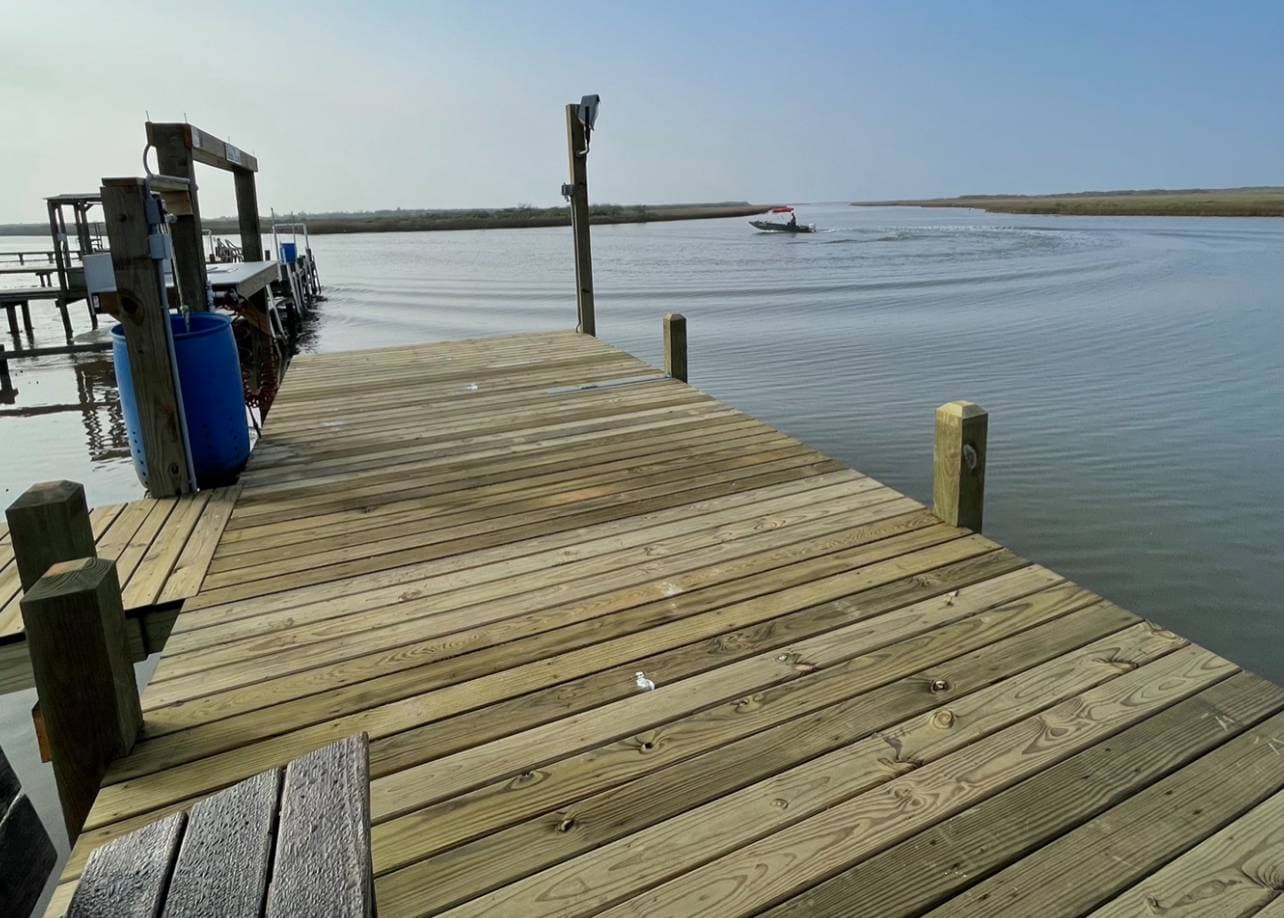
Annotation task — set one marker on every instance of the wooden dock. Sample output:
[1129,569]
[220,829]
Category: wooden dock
[484,554]
[162,549]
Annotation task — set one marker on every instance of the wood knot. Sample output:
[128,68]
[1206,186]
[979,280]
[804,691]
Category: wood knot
[566,824]
[943,718]
[526,777]
[647,746]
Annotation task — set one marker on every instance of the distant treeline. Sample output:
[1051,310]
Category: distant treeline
[402,220]
[1263,201]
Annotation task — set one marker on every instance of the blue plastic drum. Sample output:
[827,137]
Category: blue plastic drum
[209,372]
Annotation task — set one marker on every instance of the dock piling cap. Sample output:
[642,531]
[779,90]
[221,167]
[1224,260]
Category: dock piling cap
[961,409]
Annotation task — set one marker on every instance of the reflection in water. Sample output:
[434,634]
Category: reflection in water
[99,403]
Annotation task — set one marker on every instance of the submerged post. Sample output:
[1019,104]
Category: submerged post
[75,628]
[675,346]
[577,143]
[49,523]
[958,464]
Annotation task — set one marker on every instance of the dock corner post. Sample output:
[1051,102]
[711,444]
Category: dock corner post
[75,628]
[144,315]
[577,149]
[675,346]
[958,464]
[48,523]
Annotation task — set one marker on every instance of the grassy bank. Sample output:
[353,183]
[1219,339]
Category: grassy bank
[402,221]
[1188,202]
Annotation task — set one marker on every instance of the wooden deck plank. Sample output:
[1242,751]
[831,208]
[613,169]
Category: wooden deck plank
[559,822]
[1105,855]
[189,569]
[1233,873]
[158,561]
[405,517]
[471,537]
[592,556]
[154,550]
[129,877]
[502,509]
[467,551]
[536,620]
[556,588]
[874,564]
[222,865]
[970,846]
[853,799]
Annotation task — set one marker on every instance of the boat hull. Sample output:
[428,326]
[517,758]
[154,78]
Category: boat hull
[767,226]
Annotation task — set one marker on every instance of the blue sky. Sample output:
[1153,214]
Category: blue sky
[450,104]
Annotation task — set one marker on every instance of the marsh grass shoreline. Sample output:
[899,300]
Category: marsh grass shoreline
[1258,201]
[413,221]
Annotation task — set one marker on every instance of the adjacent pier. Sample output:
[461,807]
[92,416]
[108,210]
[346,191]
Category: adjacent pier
[620,648]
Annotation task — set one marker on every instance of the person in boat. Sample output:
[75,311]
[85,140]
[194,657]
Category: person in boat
[793,219]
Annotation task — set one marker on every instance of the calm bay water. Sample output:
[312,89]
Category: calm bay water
[1132,368]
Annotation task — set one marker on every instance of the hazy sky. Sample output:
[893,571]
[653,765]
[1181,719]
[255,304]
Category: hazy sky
[451,104]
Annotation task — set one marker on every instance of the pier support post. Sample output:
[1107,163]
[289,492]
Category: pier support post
[958,464]
[173,144]
[675,346]
[75,630]
[144,314]
[577,149]
[49,523]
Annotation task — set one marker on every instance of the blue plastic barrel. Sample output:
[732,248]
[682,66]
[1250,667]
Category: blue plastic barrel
[289,252]
[209,372]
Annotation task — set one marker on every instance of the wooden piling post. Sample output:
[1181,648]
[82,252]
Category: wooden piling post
[144,313]
[173,144]
[247,214]
[577,149]
[6,384]
[675,345]
[75,629]
[958,464]
[49,523]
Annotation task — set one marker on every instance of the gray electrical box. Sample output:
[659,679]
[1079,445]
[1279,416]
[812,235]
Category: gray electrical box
[100,276]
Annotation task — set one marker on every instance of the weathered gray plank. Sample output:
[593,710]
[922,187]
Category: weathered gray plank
[27,856]
[127,878]
[222,867]
[9,784]
[322,864]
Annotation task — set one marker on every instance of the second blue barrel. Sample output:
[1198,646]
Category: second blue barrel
[209,372]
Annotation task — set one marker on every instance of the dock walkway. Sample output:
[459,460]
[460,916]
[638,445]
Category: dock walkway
[484,553]
[162,549]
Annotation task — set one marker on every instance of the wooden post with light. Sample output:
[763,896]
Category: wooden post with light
[579,130]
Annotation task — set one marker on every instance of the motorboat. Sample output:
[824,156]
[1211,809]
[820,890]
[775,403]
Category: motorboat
[783,226]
